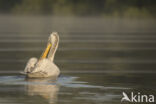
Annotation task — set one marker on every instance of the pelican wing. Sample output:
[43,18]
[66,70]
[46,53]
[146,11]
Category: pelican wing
[46,68]
[30,65]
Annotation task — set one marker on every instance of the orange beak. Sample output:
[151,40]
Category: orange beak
[45,53]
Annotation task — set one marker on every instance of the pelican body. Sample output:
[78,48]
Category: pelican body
[45,66]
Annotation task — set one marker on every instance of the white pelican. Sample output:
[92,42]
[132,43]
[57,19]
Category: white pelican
[45,66]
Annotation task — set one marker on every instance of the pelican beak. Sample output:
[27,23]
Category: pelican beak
[45,53]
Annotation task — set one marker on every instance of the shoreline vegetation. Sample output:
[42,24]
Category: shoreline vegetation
[104,8]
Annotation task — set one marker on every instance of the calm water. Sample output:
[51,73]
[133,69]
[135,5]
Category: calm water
[99,59]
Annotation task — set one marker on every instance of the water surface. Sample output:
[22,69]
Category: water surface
[99,58]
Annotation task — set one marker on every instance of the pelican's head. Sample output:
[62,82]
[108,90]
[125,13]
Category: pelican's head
[53,38]
[51,47]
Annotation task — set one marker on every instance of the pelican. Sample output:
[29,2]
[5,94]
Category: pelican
[45,66]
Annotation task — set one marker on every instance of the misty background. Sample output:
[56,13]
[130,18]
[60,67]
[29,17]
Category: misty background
[115,8]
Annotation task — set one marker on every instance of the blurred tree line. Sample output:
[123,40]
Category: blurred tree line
[129,8]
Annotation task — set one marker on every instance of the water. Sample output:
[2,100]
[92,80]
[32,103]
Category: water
[99,58]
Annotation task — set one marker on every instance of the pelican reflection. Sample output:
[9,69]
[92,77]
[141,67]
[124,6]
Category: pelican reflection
[46,88]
